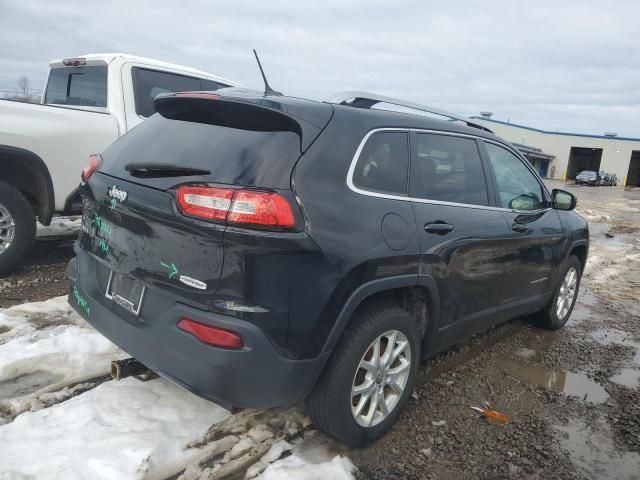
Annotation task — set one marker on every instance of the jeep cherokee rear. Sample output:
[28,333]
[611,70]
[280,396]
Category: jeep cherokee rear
[264,250]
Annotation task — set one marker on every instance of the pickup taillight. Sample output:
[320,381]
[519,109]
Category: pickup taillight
[94,163]
[258,208]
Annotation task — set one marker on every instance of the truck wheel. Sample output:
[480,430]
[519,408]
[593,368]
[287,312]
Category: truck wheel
[17,226]
[367,383]
[556,313]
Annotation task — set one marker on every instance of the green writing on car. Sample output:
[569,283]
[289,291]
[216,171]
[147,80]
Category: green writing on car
[101,224]
[172,269]
[80,300]
[104,246]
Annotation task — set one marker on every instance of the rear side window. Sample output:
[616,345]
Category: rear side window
[383,163]
[147,84]
[517,186]
[448,169]
[83,86]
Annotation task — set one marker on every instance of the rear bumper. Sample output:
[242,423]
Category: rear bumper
[255,376]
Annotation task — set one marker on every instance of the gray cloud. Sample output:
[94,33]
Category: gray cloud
[571,66]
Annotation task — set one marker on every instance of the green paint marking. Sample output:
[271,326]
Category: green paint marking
[104,246]
[80,300]
[114,204]
[173,270]
[101,224]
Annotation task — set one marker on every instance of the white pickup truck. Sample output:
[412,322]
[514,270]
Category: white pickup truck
[88,102]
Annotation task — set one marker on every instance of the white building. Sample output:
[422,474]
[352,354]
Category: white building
[563,155]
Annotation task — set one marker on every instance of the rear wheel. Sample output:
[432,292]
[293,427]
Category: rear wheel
[368,381]
[558,310]
[17,226]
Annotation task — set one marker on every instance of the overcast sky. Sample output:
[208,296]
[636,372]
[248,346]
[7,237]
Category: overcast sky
[556,65]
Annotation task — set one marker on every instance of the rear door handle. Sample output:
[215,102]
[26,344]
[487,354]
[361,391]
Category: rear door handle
[519,227]
[439,228]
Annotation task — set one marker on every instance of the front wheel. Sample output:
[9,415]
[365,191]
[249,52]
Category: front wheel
[17,226]
[558,310]
[368,381]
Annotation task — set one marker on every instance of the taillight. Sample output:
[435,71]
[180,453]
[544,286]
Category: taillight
[94,163]
[211,335]
[74,62]
[261,208]
[205,202]
[237,207]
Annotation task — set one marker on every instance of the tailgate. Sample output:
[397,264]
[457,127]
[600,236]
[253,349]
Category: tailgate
[135,231]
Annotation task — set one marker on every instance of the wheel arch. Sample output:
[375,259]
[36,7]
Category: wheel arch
[27,172]
[579,249]
[418,294]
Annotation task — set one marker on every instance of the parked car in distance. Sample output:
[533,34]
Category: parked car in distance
[262,250]
[588,177]
[88,102]
[608,179]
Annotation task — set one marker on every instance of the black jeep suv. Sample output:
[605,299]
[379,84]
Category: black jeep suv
[265,250]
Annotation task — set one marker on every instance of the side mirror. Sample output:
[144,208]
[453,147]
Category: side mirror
[563,200]
[524,202]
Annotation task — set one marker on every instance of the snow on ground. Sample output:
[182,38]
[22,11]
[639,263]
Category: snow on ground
[119,430]
[60,226]
[296,468]
[62,417]
[44,347]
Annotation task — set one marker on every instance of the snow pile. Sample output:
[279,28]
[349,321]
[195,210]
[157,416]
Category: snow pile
[60,226]
[127,429]
[296,468]
[46,346]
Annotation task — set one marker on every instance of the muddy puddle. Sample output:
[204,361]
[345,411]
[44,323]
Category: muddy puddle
[629,376]
[568,383]
[591,449]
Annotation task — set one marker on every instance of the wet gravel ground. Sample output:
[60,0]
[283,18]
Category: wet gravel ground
[41,274]
[573,396]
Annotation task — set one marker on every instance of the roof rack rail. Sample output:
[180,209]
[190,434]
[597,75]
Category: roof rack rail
[368,100]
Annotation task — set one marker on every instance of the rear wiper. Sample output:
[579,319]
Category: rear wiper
[151,170]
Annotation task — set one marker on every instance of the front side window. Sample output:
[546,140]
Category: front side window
[83,86]
[448,169]
[383,164]
[147,84]
[518,188]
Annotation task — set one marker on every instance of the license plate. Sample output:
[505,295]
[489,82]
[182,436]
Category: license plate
[125,291]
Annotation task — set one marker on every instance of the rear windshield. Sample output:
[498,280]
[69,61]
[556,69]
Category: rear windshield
[83,86]
[231,155]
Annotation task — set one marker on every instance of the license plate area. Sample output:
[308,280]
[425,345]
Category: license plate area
[125,291]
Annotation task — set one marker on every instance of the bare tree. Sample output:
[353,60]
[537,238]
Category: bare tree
[24,88]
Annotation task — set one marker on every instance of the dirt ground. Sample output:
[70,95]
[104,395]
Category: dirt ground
[573,396]
[41,274]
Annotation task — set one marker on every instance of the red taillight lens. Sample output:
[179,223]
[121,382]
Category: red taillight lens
[261,208]
[205,202]
[238,207]
[94,163]
[216,336]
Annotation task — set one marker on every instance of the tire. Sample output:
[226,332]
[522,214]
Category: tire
[551,317]
[331,402]
[16,210]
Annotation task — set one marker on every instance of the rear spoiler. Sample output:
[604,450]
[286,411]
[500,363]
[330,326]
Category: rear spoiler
[248,111]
